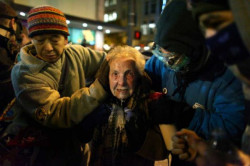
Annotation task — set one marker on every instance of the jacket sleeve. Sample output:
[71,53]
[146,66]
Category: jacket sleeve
[154,68]
[227,112]
[45,105]
[90,59]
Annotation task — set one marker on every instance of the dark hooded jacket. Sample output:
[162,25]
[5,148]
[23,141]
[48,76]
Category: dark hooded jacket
[213,91]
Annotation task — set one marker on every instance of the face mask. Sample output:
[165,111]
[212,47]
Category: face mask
[176,62]
[228,45]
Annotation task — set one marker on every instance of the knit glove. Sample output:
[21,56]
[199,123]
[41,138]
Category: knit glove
[103,75]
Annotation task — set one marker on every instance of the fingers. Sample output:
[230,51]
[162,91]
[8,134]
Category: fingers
[186,132]
[182,132]
[190,137]
[184,144]
[178,139]
[177,151]
[184,156]
[178,145]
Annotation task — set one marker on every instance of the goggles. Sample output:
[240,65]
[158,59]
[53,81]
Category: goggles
[174,61]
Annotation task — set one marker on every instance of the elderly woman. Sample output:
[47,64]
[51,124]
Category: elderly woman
[129,134]
[120,139]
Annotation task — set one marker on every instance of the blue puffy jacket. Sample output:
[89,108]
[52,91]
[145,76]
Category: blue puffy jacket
[218,103]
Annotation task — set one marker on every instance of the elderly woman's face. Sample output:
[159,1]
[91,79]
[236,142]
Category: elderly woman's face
[122,77]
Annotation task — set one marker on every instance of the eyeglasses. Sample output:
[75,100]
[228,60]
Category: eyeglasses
[173,60]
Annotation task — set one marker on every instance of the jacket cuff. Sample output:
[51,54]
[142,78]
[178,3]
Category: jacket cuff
[97,91]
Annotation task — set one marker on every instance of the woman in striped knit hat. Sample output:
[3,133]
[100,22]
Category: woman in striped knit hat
[52,98]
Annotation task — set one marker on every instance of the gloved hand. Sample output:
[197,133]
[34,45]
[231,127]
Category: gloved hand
[162,110]
[98,117]
[166,111]
[103,75]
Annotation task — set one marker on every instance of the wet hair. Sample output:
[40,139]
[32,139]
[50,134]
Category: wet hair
[128,52]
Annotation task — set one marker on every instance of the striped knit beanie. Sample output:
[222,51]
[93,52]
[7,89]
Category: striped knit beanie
[46,20]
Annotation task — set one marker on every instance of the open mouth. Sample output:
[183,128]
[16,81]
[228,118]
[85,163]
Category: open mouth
[122,90]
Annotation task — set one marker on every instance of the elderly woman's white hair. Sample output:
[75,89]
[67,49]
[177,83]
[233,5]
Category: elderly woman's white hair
[130,52]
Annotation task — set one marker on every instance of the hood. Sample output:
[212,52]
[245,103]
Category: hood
[177,31]
[29,59]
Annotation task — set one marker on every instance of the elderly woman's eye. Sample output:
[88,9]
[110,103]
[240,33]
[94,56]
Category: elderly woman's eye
[130,75]
[115,74]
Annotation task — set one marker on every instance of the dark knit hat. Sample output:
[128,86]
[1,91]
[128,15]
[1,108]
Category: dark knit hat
[205,6]
[176,31]
[46,20]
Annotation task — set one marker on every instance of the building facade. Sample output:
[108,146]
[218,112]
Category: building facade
[139,17]
[84,18]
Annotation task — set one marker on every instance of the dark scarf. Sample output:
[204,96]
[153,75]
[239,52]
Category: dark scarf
[111,144]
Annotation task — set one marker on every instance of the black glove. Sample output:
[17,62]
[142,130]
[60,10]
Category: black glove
[161,111]
[184,115]
[167,111]
[103,75]
[98,117]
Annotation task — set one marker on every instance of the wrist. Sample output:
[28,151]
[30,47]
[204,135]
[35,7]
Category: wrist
[192,156]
